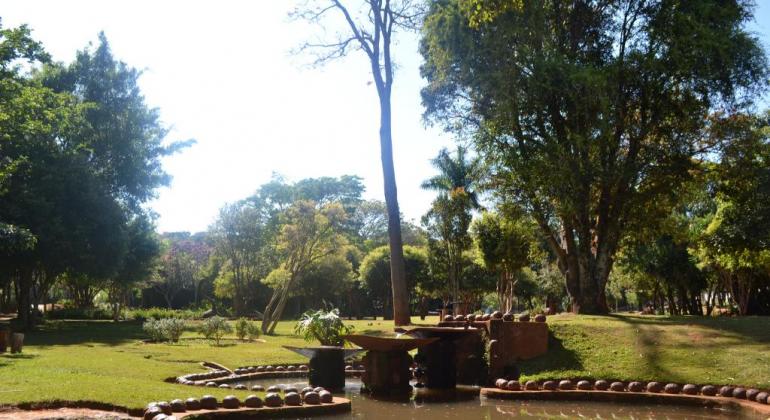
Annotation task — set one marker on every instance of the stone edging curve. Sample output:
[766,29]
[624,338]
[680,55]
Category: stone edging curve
[629,397]
[220,374]
[338,405]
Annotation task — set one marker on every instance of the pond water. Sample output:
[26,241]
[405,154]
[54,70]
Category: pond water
[464,403]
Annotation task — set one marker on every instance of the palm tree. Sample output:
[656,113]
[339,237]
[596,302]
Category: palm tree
[451,211]
[457,176]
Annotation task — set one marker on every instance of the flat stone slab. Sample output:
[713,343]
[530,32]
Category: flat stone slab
[386,344]
[630,397]
[309,352]
[441,332]
[338,405]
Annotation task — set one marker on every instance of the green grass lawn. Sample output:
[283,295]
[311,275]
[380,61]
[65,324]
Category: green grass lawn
[106,362]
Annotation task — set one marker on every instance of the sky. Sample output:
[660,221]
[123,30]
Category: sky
[224,73]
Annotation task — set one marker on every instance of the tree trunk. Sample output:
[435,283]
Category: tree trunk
[401,314]
[23,299]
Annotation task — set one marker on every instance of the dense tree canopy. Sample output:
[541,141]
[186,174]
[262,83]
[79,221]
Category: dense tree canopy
[589,113]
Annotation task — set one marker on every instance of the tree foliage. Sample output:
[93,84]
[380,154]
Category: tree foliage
[589,113]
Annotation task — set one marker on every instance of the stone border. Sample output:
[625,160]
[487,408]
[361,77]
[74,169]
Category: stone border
[219,374]
[563,392]
[338,405]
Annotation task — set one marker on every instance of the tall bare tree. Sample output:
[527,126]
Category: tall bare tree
[370,28]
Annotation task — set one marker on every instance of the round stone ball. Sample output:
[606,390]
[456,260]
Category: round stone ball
[326,397]
[164,407]
[292,398]
[654,387]
[269,368]
[192,404]
[513,386]
[272,399]
[280,369]
[291,368]
[531,386]
[151,412]
[178,406]
[617,387]
[305,390]
[501,383]
[726,391]
[690,389]
[257,388]
[672,388]
[739,393]
[566,385]
[211,384]
[497,315]
[312,398]
[709,390]
[524,318]
[224,386]
[290,389]
[460,317]
[231,402]
[584,385]
[208,402]
[508,317]
[238,371]
[348,368]
[303,367]
[240,386]
[318,389]
[448,318]
[540,318]
[601,385]
[260,368]
[274,388]
[636,386]
[486,317]
[762,398]
[253,401]
[751,394]
[550,385]
[471,317]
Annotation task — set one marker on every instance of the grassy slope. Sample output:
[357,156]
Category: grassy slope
[675,349]
[101,361]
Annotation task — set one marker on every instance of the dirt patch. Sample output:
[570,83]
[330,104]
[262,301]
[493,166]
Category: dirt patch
[63,414]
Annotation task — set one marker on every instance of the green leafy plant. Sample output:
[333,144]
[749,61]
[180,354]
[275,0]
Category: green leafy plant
[254,331]
[325,326]
[215,328]
[166,329]
[245,328]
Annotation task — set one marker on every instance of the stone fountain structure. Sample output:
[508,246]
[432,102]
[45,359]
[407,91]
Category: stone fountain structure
[327,364]
[387,362]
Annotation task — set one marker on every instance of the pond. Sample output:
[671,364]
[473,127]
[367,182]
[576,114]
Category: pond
[464,403]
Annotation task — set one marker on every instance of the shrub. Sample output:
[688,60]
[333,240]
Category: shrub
[80,313]
[142,315]
[166,329]
[215,328]
[254,331]
[245,328]
[325,326]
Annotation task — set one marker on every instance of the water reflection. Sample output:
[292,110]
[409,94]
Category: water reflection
[464,403]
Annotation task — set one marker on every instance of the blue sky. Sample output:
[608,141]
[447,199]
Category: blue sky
[222,73]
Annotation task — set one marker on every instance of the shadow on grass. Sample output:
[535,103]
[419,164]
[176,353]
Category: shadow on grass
[558,357]
[6,358]
[702,333]
[752,328]
[67,333]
